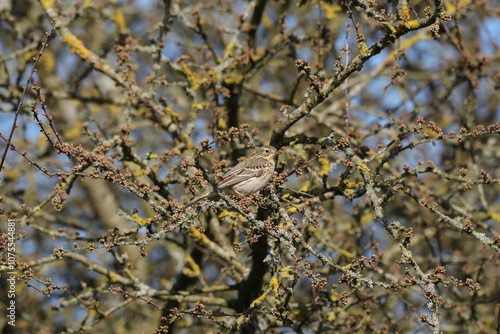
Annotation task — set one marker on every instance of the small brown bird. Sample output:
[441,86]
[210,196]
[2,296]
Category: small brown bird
[247,177]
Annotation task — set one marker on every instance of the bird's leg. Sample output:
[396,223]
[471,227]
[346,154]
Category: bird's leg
[237,192]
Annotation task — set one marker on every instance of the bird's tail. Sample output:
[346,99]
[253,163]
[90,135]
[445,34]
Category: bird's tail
[198,198]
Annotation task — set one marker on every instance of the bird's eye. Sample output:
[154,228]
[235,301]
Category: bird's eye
[266,150]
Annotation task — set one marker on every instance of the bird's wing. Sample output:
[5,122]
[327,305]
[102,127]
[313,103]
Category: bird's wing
[242,172]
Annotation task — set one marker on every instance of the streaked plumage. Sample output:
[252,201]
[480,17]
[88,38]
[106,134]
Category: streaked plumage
[247,177]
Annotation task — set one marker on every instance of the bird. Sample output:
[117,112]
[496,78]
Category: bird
[247,177]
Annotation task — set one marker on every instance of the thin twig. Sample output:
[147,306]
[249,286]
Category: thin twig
[33,69]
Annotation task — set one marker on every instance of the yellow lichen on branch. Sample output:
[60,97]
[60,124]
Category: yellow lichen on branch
[405,13]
